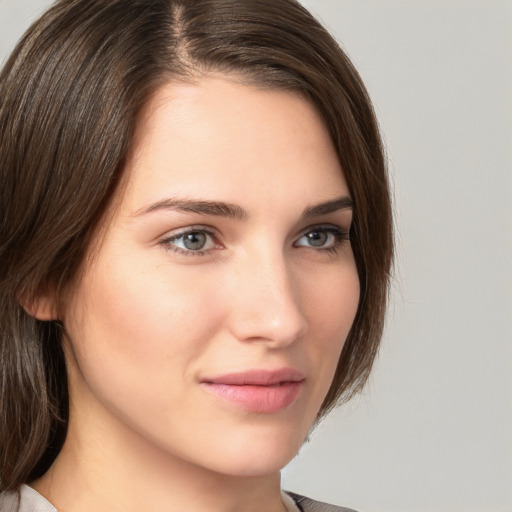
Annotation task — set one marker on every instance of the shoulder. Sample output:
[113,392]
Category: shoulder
[9,501]
[24,500]
[309,505]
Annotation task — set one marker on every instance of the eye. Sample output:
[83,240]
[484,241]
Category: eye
[322,238]
[191,242]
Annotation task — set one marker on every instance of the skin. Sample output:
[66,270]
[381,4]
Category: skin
[147,319]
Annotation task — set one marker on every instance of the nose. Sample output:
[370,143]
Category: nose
[266,302]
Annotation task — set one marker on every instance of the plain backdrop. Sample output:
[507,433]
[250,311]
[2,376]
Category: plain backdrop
[433,430]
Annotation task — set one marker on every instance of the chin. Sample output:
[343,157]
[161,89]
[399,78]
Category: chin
[260,454]
[256,466]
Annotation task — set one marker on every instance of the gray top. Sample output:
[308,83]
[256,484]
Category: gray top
[29,500]
[309,505]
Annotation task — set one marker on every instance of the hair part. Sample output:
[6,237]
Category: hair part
[70,97]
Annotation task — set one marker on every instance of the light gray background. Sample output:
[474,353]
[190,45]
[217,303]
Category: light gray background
[433,431]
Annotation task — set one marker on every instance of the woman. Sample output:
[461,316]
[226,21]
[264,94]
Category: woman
[196,242]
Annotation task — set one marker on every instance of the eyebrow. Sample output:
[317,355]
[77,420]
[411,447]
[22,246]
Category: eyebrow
[216,208]
[234,211]
[334,205]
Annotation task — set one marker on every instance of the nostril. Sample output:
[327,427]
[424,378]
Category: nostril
[280,326]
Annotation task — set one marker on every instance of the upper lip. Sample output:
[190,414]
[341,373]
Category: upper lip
[257,377]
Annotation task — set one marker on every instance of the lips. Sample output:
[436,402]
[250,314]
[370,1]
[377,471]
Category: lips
[259,391]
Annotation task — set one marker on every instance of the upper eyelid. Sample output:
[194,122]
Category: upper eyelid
[176,233]
[325,226]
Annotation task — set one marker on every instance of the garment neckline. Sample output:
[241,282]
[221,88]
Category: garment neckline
[31,500]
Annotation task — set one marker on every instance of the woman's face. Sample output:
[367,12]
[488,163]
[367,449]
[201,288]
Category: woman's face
[207,326]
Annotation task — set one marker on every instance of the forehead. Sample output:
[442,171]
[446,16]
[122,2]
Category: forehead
[223,138]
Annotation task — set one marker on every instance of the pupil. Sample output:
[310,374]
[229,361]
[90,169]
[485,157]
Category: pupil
[194,241]
[317,238]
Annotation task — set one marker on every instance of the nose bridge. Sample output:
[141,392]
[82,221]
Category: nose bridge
[267,300]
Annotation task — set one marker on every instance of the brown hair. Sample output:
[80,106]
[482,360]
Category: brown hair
[69,99]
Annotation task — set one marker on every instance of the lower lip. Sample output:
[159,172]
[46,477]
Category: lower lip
[260,399]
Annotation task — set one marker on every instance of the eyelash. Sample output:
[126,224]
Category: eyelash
[340,235]
[167,242]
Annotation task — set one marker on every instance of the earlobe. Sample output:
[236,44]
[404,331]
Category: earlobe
[42,307]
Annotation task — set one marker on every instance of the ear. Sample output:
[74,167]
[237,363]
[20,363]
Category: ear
[42,306]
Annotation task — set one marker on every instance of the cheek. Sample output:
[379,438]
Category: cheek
[333,300]
[133,329]
[143,309]
[332,303]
